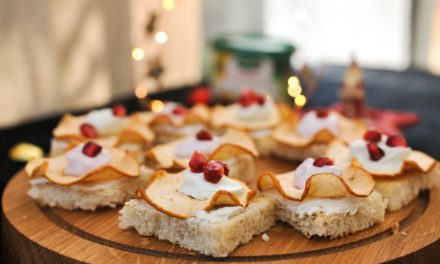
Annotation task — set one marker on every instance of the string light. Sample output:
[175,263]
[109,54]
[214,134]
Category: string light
[300,100]
[294,87]
[168,4]
[141,92]
[137,54]
[161,37]
[157,106]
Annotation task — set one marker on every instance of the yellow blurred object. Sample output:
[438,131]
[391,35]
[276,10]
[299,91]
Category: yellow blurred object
[293,81]
[156,106]
[25,152]
[300,100]
[137,54]
[294,91]
[168,4]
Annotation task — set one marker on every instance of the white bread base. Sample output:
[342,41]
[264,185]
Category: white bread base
[216,239]
[68,198]
[298,154]
[369,212]
[403,190]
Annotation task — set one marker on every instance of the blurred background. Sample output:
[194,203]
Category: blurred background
[59,55]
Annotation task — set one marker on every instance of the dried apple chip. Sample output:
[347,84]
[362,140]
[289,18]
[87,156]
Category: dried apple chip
[233,142]
[225,116]
[354,181]
[122,165]
[162,193]
[348,130]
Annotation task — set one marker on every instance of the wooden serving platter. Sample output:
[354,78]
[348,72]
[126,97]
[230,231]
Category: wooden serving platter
[33,234]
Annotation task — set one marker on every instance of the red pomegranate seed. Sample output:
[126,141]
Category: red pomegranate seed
[197,162]
[322,113]
[225,167]
[323,161]
[261,100]
[119,110]
[372,136]
[203,135]
[376,153]
[396,141]
[179,110]
[213,171]
[91,149]
[245,101]
[88,131]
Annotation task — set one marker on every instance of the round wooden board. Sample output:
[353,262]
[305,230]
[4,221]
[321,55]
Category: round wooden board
[42,235]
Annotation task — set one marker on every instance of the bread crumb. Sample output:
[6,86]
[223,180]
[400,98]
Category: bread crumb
[394,228]
[404,233]
[265,237]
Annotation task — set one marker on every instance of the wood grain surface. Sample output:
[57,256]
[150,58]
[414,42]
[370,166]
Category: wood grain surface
[42,235]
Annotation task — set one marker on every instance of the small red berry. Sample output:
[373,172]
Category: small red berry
[323,161]
[322,113]
[376,153]
[119,110]
[245,101]
[179,110]
[261,100]
[197,162]
[372,136]
[396,141]
[213,171]
[88,131]
[225,167]
[203,135]
[91,149]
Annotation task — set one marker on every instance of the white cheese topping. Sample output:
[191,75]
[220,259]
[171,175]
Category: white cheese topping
[391,161]
[104,121]
[195,185]
[307,169]
[79,164]
[168,109]
[186,148]
[327,206]
[218,215]
[255,111]
[310,124]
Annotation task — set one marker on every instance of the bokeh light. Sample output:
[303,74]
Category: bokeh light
[137,54]
[168,4]
[157,106]
[161,37]
[300,100]
[141,91]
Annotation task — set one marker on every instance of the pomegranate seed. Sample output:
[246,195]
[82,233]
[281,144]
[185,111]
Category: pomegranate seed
[396,141]
[372,136]
[261,100]
[323,161]
[91,149]
[203,135]
[376,153]
[88,131]
[179,110]
[119,110]
[322,113]
[245,101]
[197,162]
[225,167]
[213,171]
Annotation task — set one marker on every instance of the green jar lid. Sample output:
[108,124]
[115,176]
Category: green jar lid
[254,45]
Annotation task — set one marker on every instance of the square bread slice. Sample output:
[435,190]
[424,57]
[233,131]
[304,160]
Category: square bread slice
[350,215]
[403,190]
[216,233]
[88,196]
